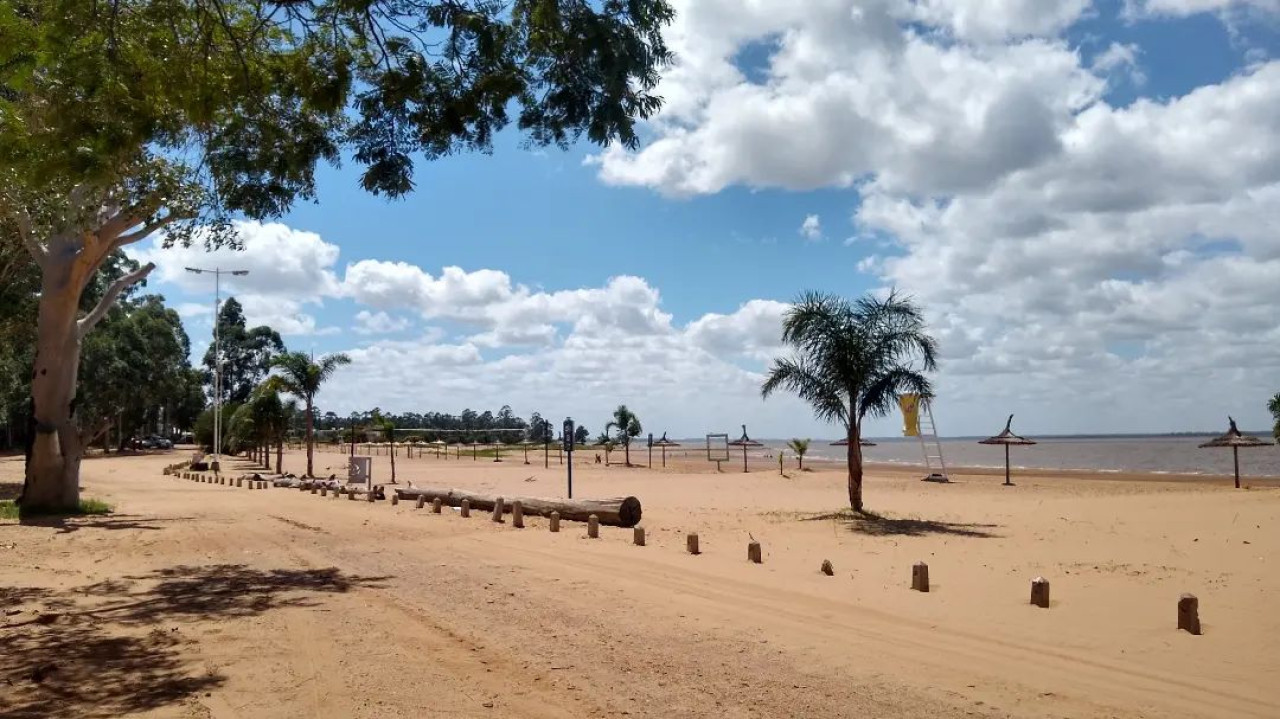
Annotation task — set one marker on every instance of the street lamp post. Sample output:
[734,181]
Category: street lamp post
[217,273]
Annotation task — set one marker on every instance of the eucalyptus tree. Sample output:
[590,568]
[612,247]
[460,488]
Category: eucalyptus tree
[123,119]
[852,360]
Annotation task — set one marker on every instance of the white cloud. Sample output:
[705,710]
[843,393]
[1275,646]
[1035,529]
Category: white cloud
[378,323]
[1183,8]
[1120,59]
[996,20]
[811,228]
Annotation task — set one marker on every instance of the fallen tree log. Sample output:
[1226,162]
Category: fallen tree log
[615,512]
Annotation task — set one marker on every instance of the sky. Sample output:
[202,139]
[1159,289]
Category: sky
[1082,195]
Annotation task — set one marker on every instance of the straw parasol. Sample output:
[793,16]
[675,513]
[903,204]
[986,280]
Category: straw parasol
[1007,438]
[845,443]
[1235,441]
[744,442]
[664,443]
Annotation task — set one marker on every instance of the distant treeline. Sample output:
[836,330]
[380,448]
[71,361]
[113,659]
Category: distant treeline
[470,426]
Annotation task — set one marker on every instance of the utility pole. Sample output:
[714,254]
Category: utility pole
[217,273]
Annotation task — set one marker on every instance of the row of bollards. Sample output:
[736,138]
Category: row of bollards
[1188,604]
[217,479]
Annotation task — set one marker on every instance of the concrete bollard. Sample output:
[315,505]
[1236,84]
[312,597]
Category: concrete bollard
[1040,592]
[691,543]
[395,499]
[555,522]
[753,553]
[464,509]
[436,505]
[1189,614]
[920,577]
[314,489]
[827,569]
[368,497]
[517,515]
[351,496]
[240,482]
[593,527]
[498,508]
[324,491]
[637,536]
[422,499]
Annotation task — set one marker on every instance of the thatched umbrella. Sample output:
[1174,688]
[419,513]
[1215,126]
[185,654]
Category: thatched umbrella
[527,444]
[845,443]
[438,444]
[1007,438]
[744,442]
[1235,441]
[664,443]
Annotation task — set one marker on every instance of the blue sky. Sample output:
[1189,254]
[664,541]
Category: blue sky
[1081,194]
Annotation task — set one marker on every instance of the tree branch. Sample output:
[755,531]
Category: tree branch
[143,233]
[39,253]
[109,299]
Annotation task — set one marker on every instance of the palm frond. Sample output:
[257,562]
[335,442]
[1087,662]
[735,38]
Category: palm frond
[802,378]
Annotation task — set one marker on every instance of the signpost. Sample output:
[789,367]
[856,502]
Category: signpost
[651,450]
[568,447]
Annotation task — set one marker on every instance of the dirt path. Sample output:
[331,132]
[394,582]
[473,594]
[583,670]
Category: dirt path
[197,600]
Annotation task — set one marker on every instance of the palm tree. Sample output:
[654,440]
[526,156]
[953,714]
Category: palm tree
[301,377]
[628,426]
[853,360]
[799,446]
[1274,407]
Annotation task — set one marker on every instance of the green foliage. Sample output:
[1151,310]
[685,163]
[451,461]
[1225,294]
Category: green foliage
[203,429]
[246,354]
[1273,406]
[800,447]
[88,507]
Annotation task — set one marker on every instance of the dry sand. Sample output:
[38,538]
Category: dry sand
[199,600]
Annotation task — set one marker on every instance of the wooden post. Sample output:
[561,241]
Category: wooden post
[753,553]
[336,493]
[498,508]
[465,508]
[593,527]
[422,499]
[313,489]
[1040,592]
[827,569]
[1189,614]
[351,496]
[637,536]
[555,522]
[517,515]
[920,577]
[324,491]
[395,499]
[239,481]
[691,543]
[369,495]
[436,505]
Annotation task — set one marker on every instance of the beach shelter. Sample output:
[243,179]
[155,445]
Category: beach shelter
[1235,441]
[1008,439]
[744,442]
[664,443]
[845,443]
[526,444]
[440,444]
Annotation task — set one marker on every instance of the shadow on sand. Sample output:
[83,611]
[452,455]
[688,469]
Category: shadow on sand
[114,648]
[878,525]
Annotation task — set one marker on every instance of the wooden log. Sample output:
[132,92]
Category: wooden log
[691,543]
[436,504]
[517,515]
[1040,592]
[920,577]
[593,527]
[498,509]
[555,522]
[637,536]
[1189,614]
[753,553]
[464,509]
[239,481]
[616,512]
[827,569]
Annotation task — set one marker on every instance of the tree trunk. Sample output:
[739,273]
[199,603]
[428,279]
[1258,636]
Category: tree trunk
[626,450]
[52,482]
[617,511]
[279,455]
[855,467]
[393,459]
[310,438]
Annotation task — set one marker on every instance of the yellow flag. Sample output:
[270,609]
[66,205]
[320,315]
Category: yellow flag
[910,404]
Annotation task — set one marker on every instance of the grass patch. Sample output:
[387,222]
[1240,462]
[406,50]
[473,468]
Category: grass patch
[88,507]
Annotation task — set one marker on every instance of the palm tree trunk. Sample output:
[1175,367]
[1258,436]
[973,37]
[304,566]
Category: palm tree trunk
[855,467]
[279,453]
[393,458]
[626,449]
[310,438]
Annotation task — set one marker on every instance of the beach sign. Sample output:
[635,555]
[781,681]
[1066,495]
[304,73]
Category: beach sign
[910,405]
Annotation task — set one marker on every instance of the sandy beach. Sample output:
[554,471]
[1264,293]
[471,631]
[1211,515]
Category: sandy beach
[198,600]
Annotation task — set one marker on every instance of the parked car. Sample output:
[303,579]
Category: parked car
[155,442]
